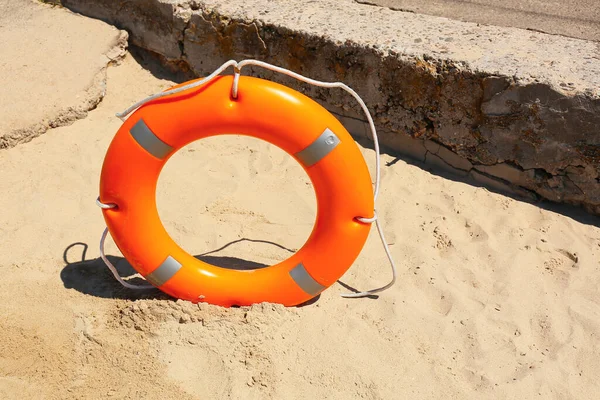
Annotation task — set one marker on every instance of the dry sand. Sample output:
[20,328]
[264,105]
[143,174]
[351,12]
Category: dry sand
[496,298]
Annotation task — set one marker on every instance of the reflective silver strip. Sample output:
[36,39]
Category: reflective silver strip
[306,282]
[149,141]
[319,148]
[166,271]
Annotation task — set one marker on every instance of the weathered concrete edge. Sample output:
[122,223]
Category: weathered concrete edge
[91,97]
[462,137]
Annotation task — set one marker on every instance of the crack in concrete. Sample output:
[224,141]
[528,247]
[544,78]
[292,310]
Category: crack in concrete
[368,3]
[566,176]
[181,42]
[260,39]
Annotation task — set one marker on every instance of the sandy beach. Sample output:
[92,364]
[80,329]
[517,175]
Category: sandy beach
[496,298]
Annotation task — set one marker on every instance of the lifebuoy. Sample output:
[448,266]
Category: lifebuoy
[264,110]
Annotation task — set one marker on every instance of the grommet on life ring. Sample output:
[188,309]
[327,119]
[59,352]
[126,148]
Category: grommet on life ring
[264,110]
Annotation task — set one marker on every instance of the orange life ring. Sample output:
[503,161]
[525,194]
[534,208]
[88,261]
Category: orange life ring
[264,110]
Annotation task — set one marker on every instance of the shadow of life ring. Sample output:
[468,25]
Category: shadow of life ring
[264,110]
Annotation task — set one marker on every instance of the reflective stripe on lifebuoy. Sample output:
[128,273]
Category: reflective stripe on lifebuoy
[264,110]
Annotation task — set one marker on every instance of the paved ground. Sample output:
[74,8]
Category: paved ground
[47,82]
[575,18]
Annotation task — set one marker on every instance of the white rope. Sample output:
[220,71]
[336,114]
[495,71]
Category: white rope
[178,90]
[234,91]
[104,206]
[236,79]
[328,85]
[114,270]
[389,256]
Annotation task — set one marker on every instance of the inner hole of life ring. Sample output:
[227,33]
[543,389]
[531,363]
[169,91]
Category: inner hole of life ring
[236,202]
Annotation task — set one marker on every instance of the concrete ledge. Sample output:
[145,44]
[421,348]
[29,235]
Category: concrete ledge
[503,105]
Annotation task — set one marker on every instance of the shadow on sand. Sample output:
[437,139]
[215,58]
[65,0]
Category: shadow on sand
[92,277]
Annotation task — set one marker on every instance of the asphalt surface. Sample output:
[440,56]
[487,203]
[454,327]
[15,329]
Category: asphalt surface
[574,18]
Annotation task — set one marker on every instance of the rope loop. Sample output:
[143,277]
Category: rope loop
[236,80]
[367,220]
[105,206]
[114,271]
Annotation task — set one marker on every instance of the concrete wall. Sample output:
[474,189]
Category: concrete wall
[514,109]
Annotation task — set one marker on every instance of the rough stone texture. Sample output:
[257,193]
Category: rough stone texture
[503,105]
[574,18]
[69,81]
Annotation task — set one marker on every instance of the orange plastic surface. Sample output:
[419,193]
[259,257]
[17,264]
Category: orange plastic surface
[264,110]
